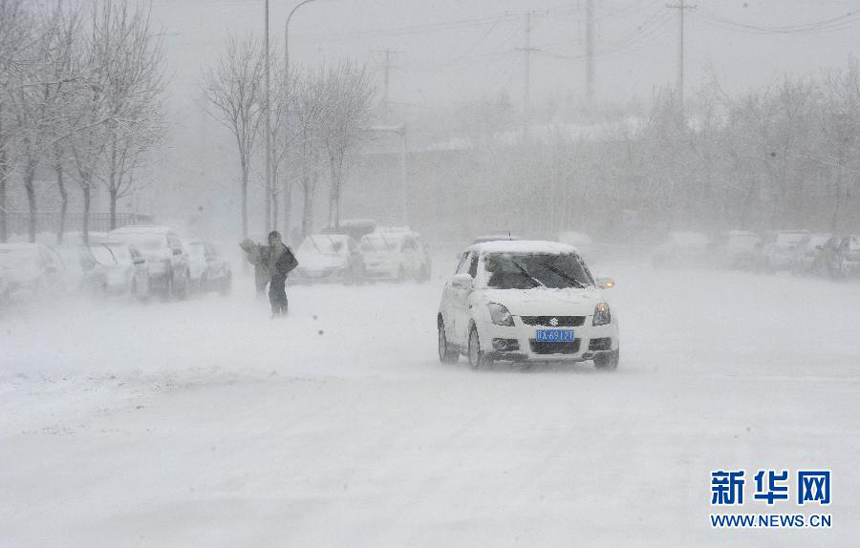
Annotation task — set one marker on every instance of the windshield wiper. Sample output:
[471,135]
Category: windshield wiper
[387,246]
[570,279]
[526,274]
[111,253]
[314,241]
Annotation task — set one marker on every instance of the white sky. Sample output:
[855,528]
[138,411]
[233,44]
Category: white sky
[442,59]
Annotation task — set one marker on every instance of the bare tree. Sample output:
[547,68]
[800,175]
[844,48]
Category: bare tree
[307,113]
[235,98]
[16,30]
[839,119]
[133,99]
[348,94]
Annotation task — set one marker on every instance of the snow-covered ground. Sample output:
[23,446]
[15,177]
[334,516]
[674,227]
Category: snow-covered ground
[205,423]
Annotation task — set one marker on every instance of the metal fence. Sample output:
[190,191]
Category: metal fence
[18,222]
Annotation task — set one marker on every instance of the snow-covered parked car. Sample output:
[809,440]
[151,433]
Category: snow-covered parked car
[803,258]
[526,301]
[29,269]
[778,248]
[354,228]
[126,269]
[208,269]
[395,255]
[682,249]
[839,257]
[737,249]
[163,251]
[80,271]
[328,258]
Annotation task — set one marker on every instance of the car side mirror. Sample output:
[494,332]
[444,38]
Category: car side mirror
[462,281]
[177,252]
[605,283]
[139,261]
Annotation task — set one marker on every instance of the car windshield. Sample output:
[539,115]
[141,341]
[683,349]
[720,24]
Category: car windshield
[532,270]
[379,242]
[144,242]
[118,252]
[104,255]
[323,244]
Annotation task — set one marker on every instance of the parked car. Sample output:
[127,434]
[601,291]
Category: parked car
[354,228]
[127,269]
[328,258]
[803,259]
[81,272]
[778,248]
[682,249]
[395,256]
[526,301]
[737,249]
[839,257]
[29,269]
[209,270]
[164,254]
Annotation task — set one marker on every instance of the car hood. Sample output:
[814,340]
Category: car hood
[547,302]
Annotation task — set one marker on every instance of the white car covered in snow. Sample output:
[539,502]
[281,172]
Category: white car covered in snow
[395,255]
[526,301]
[328,258]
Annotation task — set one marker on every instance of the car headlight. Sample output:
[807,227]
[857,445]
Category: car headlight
[500,315]
[602,315]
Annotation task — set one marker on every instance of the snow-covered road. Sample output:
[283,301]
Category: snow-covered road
[205,423]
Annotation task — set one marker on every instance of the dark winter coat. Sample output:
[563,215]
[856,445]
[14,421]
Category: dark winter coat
[282,261]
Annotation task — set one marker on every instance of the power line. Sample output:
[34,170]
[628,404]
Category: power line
[816,27]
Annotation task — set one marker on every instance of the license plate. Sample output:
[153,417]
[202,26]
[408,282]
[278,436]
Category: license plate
[554,335]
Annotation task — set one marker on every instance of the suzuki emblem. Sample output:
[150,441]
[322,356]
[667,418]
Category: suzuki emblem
[553,322]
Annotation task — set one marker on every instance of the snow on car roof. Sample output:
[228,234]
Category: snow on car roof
[522,246]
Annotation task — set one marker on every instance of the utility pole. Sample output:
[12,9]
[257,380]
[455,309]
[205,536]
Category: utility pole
[682,8]
[589,55]
[288,200]
[527,54]
[386,76]
[268,140]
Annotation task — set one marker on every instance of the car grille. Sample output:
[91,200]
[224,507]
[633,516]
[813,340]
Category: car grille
[563,321]
[555,347]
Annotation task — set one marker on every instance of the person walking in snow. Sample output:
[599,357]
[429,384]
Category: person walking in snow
[280,262]
[258,255]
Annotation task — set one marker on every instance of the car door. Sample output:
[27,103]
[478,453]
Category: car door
[460,298]
[448,305]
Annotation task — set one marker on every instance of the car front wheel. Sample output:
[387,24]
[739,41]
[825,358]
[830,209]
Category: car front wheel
[607,361]
[477,358]
[446,353]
